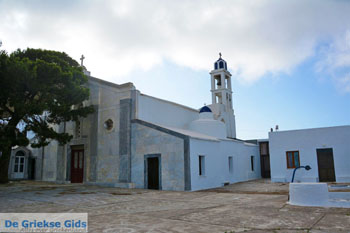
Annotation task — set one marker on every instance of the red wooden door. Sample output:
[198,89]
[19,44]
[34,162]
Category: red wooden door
[77,166]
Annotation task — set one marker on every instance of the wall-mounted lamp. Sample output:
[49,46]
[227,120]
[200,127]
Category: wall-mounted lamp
[307,167]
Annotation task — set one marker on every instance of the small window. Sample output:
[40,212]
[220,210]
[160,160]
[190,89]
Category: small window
[201,165]
[221,65]
[108,124]
[252,162]
[76,160]
[80,160]
[293,159]
[230,164]
[21,164]
[16,163]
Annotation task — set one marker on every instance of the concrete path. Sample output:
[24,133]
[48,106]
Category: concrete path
[256,206]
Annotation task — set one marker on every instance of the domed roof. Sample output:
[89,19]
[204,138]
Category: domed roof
[220,64]
[205,109]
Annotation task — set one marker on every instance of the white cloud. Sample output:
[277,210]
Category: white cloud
[335,61]
[343,82]
[117,37]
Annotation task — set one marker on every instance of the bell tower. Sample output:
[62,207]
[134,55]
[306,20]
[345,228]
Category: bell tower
[221,91]
[221,84]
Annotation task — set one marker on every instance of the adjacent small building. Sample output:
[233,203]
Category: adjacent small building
[325,150]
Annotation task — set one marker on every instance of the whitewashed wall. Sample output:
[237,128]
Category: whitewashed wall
[165,113]
[216,162]
[306,141]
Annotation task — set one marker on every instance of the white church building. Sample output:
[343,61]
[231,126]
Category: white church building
[136,140]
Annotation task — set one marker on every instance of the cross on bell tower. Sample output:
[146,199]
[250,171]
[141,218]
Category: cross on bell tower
[221,84]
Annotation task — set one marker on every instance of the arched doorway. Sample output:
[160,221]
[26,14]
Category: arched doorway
[22,164]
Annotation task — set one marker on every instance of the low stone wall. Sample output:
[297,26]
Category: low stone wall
[317,194]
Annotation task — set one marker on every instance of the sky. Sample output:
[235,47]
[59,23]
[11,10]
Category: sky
[289,60]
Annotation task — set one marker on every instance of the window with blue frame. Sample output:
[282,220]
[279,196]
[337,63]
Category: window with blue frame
[293,159]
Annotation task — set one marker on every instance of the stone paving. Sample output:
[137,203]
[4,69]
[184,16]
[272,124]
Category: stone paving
[256,206]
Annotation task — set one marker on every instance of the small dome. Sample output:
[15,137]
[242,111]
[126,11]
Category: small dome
[207,125]
[205,109]
[220,64]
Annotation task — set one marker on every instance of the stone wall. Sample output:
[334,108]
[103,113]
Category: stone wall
[146,140]
[50,162]
[106,151]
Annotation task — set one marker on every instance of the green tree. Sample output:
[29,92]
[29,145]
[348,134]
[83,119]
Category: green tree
[38,89]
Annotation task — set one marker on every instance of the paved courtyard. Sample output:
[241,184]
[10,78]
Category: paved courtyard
[256,206]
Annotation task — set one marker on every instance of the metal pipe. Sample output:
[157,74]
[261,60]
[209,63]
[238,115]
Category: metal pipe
[307,167]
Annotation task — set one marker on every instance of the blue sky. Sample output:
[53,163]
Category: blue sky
[304,98]
[290,60]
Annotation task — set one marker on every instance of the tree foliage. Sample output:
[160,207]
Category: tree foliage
[39,89]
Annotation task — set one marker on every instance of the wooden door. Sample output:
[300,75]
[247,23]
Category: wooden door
[153,173]
[77,166]
[325,165]
[265,166]
[265,160]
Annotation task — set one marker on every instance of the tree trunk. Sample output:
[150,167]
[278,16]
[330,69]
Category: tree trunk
[8,140]
[4,165]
